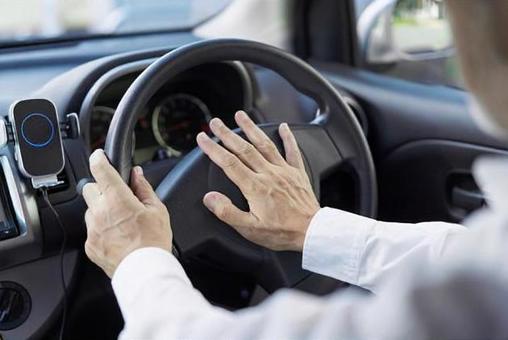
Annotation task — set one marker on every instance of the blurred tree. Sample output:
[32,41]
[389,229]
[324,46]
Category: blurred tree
[404,6]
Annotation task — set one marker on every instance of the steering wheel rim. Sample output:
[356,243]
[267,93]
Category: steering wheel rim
[333,138]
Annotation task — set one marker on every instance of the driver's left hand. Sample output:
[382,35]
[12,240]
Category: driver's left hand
[278,190]
[120,219]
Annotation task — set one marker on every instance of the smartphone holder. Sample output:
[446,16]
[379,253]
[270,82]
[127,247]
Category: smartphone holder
[33,126]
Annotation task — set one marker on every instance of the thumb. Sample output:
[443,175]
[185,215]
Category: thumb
[141,188]
[222,207]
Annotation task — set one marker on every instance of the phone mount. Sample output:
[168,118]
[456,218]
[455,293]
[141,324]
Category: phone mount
[34,128]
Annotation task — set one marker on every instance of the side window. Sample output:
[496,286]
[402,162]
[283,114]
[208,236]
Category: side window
[408,39]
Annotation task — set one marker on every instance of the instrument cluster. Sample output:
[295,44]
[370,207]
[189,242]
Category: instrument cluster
[166,129]
[170,122]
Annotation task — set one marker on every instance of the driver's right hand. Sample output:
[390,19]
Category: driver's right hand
[278,191]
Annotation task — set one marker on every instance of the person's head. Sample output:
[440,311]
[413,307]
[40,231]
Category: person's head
[480,28]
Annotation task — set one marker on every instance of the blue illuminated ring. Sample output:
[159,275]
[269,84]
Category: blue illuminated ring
[51,135]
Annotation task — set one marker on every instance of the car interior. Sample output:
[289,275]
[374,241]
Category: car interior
[375,142]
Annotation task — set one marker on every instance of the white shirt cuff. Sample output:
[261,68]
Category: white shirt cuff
[334,244]
[139,268]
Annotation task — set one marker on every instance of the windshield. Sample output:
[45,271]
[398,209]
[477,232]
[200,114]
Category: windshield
[31,20]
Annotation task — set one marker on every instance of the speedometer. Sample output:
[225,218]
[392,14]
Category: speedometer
[177,120]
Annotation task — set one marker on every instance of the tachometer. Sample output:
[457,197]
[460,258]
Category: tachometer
[101,119]
[177,120]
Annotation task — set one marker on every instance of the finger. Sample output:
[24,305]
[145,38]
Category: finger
[236,144]
[260,140]
[106,177]
[141,188]
[222,207]
[91,252]
[92,225]
[92,195]
[236,171]
[293,154]
[88,218]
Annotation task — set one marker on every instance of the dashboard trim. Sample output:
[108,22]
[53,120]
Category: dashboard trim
[15,196]
[27,245]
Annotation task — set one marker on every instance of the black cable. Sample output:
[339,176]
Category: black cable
[62,255]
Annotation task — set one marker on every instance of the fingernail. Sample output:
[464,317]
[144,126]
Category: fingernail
[138,170]
[97,156]
[201,137]
[210,200]
[207,202]
[216,122]
[284,129]
[242,115]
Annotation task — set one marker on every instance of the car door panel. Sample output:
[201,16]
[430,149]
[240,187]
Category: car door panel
[424,143]
[430,180]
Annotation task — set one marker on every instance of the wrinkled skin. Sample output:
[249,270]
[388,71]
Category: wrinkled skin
[120,219]
[278,191]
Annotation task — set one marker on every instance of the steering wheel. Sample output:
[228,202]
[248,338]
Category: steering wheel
[333,139]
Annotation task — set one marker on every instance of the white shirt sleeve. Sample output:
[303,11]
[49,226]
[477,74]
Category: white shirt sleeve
[158,302]
[364,252]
